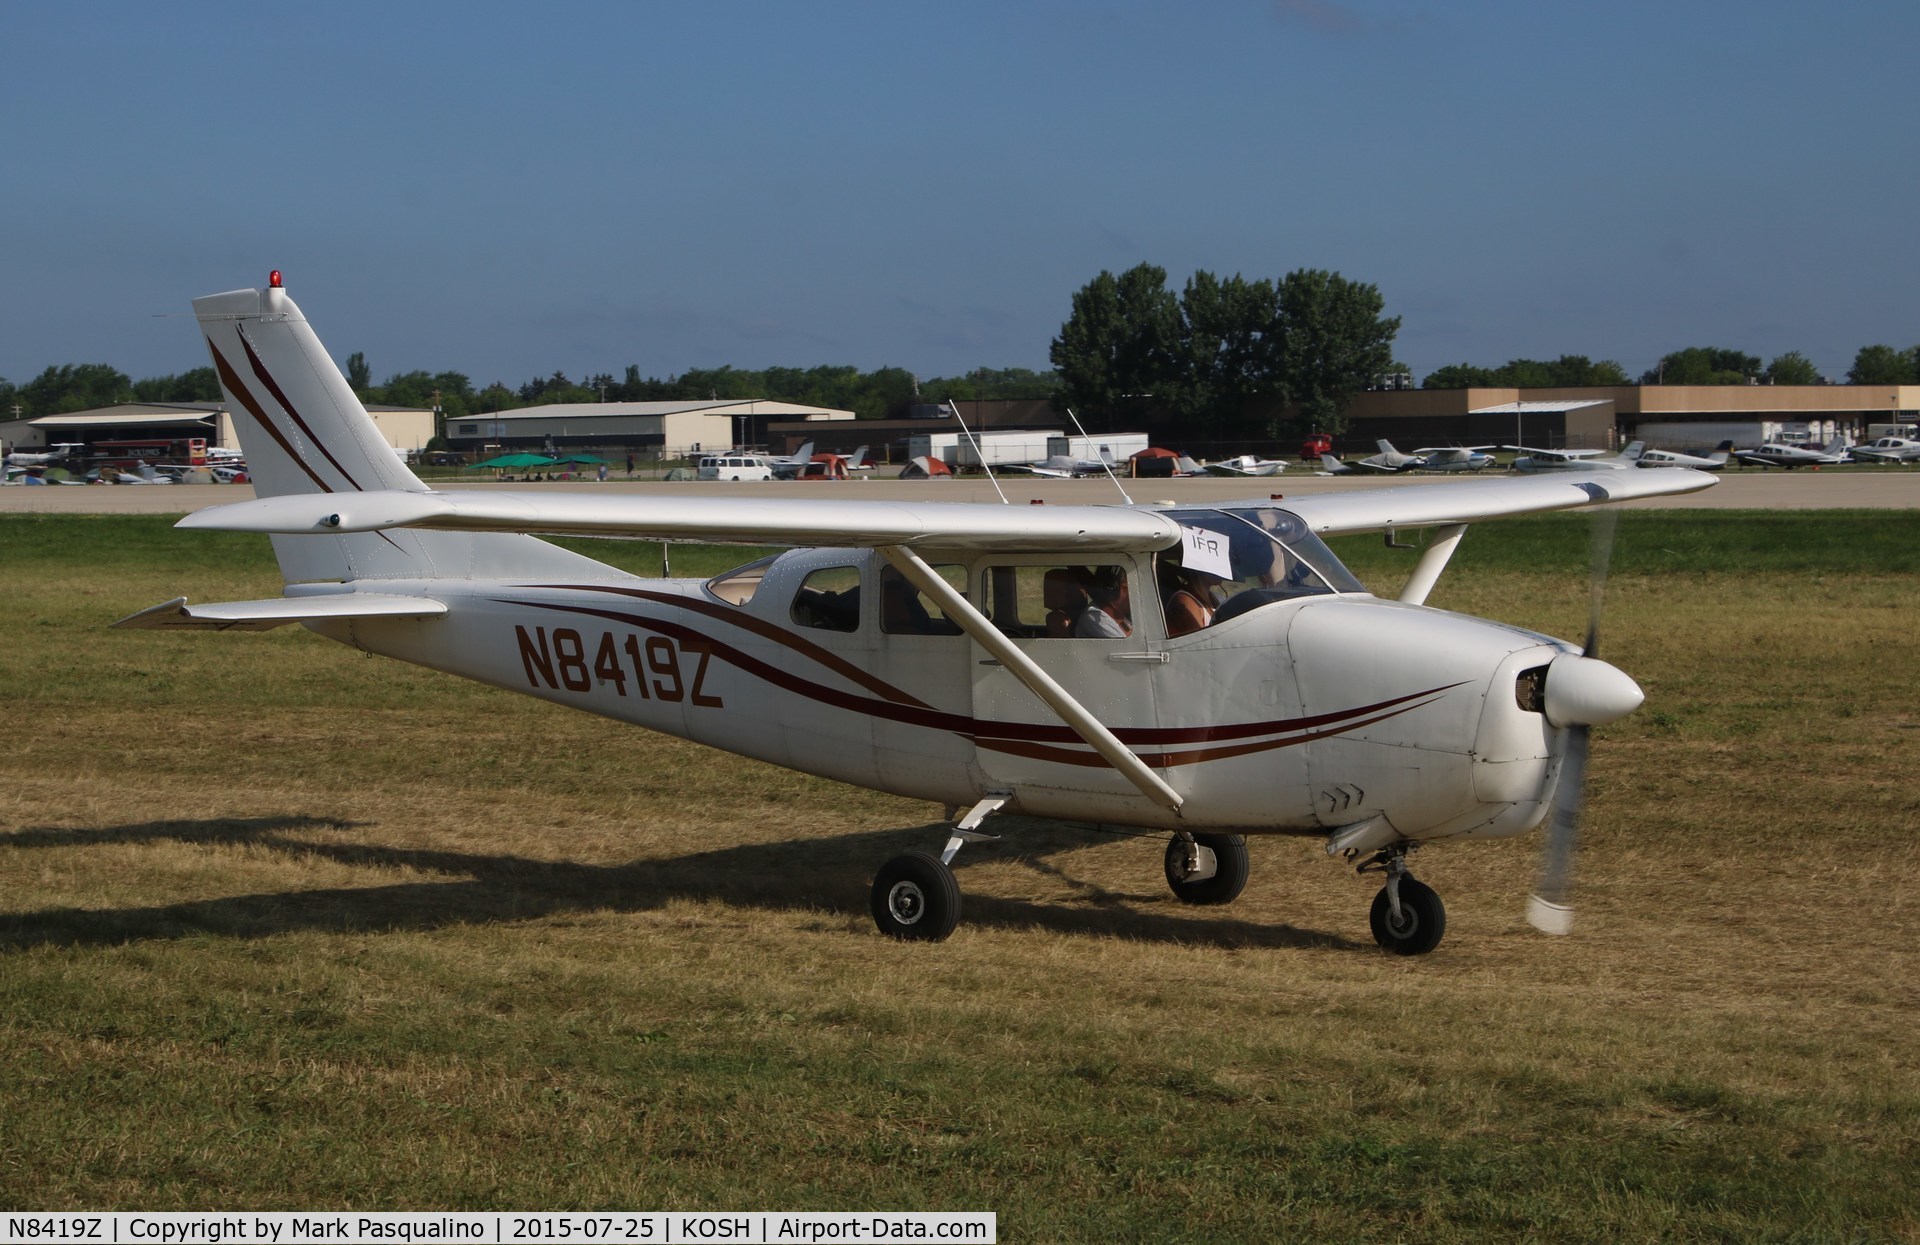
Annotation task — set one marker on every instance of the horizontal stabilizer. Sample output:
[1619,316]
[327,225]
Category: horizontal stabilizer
[177,615]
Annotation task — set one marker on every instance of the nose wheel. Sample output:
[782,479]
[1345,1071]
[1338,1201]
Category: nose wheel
[1407,916]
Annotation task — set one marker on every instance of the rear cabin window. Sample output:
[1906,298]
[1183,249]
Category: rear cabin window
[829,599]
[737,586]
[905,610]
[1060,602]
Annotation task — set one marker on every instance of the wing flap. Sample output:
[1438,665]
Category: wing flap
[1427,505]
[750,520]
[177,615]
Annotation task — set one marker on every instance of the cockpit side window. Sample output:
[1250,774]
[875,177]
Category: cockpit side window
[905,610]
[1270,555]
[829,599]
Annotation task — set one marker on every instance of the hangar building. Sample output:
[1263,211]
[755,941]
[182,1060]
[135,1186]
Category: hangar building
[405,428]
[621,426]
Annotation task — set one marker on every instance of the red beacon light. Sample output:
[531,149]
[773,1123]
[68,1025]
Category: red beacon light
[273,280]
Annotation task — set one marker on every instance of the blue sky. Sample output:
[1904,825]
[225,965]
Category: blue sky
[507,189]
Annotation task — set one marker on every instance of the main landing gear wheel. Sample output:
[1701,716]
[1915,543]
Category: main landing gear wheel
[1207,868]
[1417,927]
[915,898]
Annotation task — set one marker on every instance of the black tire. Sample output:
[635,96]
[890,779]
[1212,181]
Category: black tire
[915,898]
[1423,919]
[1231,869]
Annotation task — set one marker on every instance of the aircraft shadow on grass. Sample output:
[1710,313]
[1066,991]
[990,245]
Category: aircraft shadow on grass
[815,874]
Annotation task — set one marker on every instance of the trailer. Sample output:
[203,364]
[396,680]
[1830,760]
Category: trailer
[1115,448]
[997,448]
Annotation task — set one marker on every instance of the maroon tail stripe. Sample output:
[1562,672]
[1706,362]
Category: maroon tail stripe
[266,378]
[244,396]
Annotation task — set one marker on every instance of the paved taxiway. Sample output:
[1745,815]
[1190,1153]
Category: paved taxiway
[1737,490]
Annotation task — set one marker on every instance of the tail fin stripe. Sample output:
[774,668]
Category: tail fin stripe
[239,390]
[266,378]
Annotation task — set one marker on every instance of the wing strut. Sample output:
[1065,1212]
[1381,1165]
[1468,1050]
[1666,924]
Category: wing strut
[1038,681]
[1434,560]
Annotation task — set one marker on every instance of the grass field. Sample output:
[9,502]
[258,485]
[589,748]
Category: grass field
[283,926]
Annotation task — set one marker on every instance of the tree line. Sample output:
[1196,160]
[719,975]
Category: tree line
[1696,365]
[869,395]
[1222,358]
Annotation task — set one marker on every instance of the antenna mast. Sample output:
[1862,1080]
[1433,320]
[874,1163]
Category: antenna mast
[953,404]
[1104,462]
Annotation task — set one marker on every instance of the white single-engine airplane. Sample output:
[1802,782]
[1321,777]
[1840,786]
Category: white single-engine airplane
[1886,450]
[987,657]
[1577,460]
[1674,458]
[1248,465]
[1781,454]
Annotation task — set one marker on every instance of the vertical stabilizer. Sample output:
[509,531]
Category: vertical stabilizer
[304,431]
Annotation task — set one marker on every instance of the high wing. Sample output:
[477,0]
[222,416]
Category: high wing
[846,524]
[1552,455]
[869,524]
[1429,505]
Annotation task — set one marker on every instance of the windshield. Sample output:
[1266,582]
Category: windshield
[1269,555]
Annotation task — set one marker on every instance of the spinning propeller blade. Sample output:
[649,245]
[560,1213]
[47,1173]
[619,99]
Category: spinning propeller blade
[1550,908]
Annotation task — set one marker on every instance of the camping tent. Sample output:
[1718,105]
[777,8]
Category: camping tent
[518,462]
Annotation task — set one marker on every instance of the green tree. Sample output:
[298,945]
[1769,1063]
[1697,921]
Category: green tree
[451,391]
[1792,368]
[359,375]
[1119,350]
[1460,376]
[1883,365]
[1328,341]
[553,391]
[74,387]
[198,385]
[1703,365]
[1226,367]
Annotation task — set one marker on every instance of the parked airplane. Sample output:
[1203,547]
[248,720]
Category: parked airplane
[828,466]
[931,650]
[44,458]
[143,473]
[787,466]
[1248,465]
[1577,460]
[1887,450]
[1452,458]
[1780,454]
[1673,458]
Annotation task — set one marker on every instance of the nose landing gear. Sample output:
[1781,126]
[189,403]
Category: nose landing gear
[1407,916]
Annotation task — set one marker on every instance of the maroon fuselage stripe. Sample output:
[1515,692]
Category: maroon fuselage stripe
[1143,735]
[1021,738]
[762,628]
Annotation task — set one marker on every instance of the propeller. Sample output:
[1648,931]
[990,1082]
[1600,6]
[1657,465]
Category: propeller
[1581,693]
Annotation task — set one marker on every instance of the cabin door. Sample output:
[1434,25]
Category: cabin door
[1078,622]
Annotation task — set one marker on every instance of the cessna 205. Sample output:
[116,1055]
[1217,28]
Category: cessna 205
[942,650]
